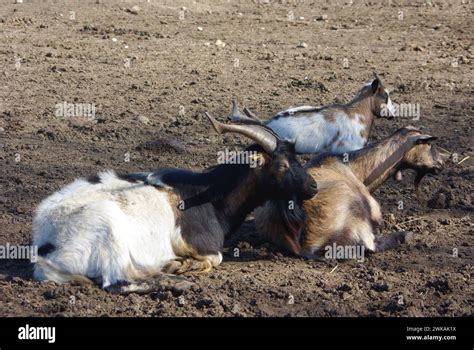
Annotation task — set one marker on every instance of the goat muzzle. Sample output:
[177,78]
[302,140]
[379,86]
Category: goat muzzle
[310,190]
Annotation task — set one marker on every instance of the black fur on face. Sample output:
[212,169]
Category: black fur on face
[285,177]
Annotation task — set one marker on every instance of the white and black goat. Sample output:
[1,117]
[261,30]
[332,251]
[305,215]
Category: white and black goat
[344,212]
[117,229]
[337,128]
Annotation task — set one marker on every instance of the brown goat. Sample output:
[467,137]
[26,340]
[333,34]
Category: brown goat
[344,212]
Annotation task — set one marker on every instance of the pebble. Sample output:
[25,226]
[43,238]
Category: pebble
[200,29]
[135,10]
[322,18]
[302,45]
[143,119]
[220,43]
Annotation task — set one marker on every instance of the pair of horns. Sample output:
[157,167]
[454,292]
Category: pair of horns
[258,133]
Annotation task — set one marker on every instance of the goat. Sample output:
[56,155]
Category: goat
[344,212]
[119,231]
[337,128]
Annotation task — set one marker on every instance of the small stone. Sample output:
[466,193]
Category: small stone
[134,10]
[322,18]
[220,43]
[200,29]
[302,45]
[142,119]
[114,40]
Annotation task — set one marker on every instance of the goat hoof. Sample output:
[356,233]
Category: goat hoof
[172,266]
[177,284]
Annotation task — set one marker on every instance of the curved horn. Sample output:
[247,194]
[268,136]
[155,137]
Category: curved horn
[260,134]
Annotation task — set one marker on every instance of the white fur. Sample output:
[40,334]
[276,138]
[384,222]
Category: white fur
[114,230]
[314,134]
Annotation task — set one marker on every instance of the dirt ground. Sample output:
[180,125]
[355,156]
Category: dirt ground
[153,73]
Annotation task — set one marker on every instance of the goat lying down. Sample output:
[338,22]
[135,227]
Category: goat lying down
[121,232]
[335,128]
[344,212]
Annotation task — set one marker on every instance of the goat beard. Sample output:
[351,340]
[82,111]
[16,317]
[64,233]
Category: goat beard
[418,177]
[418,193]
[294,222]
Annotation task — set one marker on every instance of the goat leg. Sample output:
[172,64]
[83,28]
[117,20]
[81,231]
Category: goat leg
[236,116]
[177,284]
[251,115]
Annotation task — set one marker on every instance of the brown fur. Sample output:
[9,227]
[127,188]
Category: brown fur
[340,208]
[344,207]
[365,161]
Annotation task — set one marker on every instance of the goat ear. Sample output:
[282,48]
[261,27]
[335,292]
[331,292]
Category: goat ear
[426,139]
[375,85]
